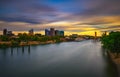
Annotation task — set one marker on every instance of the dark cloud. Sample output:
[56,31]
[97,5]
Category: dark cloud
[77,8]
[26,6]
[18,19]
[101,7]
[25,11]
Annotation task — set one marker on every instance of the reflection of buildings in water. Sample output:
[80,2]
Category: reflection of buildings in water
[4,52]
[17,50]
[11,51]
[29,49]
[22,49]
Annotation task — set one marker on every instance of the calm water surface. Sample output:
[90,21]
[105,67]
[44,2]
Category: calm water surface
[69,59]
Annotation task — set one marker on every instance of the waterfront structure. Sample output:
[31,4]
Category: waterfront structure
[31,32]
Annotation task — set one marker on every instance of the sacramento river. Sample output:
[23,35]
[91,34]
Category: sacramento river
[68,59]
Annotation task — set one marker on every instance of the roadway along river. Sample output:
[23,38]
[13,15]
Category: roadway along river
[68,59]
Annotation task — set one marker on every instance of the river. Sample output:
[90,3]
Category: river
[68,59]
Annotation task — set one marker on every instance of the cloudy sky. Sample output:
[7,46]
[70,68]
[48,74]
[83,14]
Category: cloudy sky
[72,16]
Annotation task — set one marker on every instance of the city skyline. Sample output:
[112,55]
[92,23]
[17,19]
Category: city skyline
[46,32]
[73,16]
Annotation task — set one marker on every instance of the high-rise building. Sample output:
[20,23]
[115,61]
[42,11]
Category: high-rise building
[95,35]
[61,33]
[31,32]
[105,33]
[52,32]
[5,32]
[47,32]
[57,32]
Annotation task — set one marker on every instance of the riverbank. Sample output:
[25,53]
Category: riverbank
[116,61]
[9,43]
[15,44]
[5,44]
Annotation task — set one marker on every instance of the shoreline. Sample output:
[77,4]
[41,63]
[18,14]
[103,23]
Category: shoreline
[115,61]
[9,44]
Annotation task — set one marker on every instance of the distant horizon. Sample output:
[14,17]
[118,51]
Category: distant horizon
[91,33]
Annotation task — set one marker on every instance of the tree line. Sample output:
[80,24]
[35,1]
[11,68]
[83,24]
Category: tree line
[112,42]
[15,41]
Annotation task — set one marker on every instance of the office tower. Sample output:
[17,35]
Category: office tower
[5,32]
[57,32]
[61,33]
[52,32]
[47,32]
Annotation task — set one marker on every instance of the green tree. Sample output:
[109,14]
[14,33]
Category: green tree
[4,38]
[112,42]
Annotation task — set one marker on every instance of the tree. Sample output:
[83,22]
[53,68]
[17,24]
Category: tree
[112,42]
[4,38]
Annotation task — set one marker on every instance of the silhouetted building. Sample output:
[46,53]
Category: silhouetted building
[105,33]
[57,32]
[31,31]
[8,33]
[52,32]
[5,32]
[95,34]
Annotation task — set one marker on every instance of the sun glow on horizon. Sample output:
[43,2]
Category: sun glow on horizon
[67,33]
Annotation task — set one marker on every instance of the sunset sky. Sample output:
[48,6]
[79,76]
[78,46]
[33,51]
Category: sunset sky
[72,16]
